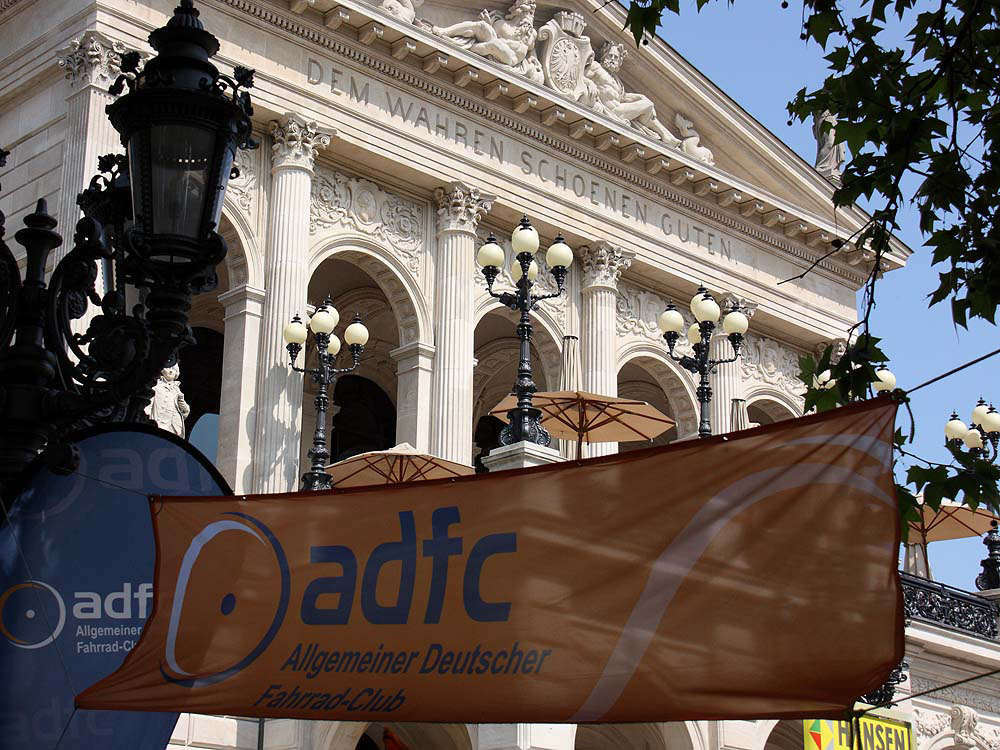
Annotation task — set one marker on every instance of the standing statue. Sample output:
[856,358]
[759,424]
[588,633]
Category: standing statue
[510,39]
[830,155]
[168,409]
[607,95]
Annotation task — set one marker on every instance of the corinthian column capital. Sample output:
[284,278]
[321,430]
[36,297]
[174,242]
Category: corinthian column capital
[460,207]
[295,142]
[604,263]
[92,60]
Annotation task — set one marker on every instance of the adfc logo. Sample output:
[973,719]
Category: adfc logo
[215,565]
[32,614]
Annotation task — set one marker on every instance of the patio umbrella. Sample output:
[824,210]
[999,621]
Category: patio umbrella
[400,464]
[592,418]
[739,419]
[951,521]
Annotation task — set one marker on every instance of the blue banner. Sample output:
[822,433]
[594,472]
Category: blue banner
[76,587]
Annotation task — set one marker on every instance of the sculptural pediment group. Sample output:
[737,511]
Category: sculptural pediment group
[558,55]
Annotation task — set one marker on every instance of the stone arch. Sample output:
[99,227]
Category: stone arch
[678,387]
[774,404]
[786,734]
[245,266]
[639,736]
[345,735]
[393,278]
[549,346]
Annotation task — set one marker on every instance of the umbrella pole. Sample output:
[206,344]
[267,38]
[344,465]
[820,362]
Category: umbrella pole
[579,445]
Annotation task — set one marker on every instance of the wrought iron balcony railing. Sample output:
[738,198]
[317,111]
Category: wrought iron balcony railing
[941,604]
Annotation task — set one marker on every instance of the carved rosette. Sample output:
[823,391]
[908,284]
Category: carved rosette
[296,141]
[92,60]
[604,264]
[460,207]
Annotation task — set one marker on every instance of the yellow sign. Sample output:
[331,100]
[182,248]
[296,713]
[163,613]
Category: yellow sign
[876,733]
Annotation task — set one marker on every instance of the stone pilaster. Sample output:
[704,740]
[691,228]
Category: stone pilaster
[603,265]
[459,210]
[727,381]
[234,456]
[279,390]
[414,372]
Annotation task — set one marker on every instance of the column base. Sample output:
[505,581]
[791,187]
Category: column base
[521,455]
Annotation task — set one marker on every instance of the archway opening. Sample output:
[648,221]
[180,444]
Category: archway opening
[497,353]
[636,382]
[767,411]
[365,418]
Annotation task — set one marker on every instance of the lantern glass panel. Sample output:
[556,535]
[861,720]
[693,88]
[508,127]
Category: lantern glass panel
[181,158]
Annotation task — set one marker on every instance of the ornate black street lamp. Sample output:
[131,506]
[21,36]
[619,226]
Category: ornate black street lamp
[706,312]
[982,438]
[154,215]
[523,420]
[322,323]
[989,578]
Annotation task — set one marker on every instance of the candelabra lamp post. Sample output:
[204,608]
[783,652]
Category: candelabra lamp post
[523,420]
[706,312]
[322,323]
[153,213]
[981,438]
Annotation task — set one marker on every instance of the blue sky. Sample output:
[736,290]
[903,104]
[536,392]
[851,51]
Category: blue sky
[752,51]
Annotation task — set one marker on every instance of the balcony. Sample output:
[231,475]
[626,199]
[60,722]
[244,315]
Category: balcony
[941,604]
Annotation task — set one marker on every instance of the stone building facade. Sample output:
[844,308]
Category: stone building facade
[395,136]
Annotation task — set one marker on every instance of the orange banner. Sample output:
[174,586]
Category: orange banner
[747,577]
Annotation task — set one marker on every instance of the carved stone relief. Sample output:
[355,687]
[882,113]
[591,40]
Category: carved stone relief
[769,362]
[566,53]
[337,199]
[567,64]
[604,263]
[509,38]
[168,409]
[962,722]
[958,695]
[243,187]
[295,142]
[637,311]
[93,59]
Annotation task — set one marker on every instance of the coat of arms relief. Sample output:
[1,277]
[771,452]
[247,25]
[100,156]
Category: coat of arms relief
[558,55]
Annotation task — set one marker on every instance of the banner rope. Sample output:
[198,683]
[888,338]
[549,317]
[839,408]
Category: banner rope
[65,729]
[858,713]
[41,604]
[953,371]
[107,483]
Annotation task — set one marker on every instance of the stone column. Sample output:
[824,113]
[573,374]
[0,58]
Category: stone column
[727,380]
[459,210]
[414,372]
[243,307]
[279,390]
[92,65]
[603,265]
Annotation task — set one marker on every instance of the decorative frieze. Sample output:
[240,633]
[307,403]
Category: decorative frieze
[769,362]
[243,188]
[295,142]
[338,200]
[92,60]
[604,263]
[961,722]
[460,207]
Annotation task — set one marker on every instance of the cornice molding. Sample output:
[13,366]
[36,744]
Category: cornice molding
[339,45]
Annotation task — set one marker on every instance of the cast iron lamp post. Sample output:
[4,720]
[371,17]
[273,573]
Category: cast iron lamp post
[154,215]
[523,420]
[982,438]
[322,323]
[706,312]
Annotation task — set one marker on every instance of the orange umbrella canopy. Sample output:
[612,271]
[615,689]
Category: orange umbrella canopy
[592,418]
[400,464]
[951,521]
